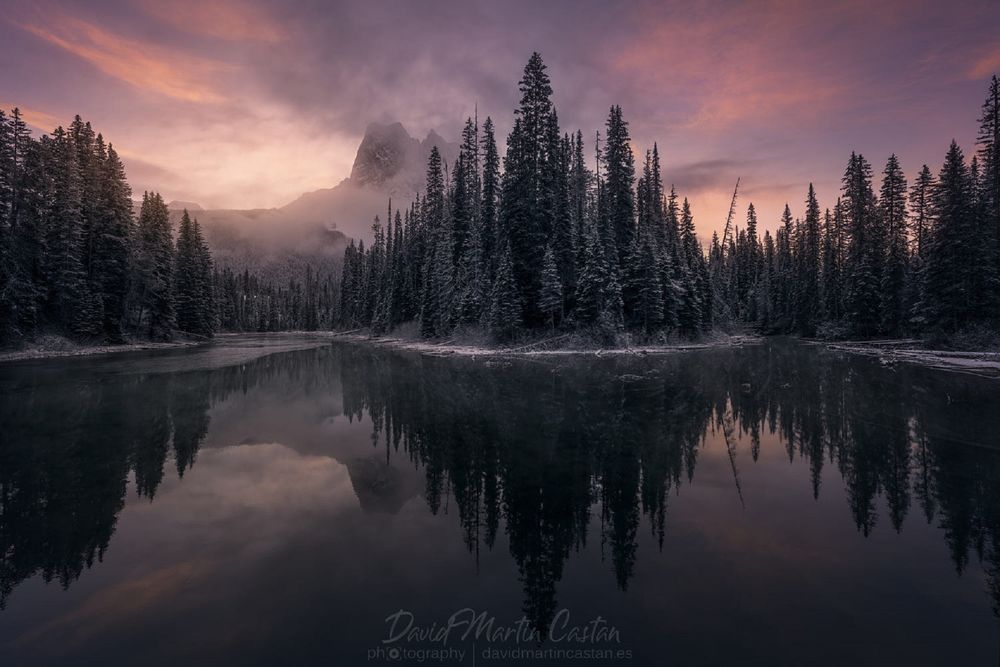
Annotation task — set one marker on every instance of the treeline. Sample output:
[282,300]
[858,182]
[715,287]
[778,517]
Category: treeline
[248,303]
[543,242]
[546,242]
[73,258]
[913,259]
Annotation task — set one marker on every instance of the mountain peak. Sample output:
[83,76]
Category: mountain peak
[392,160]
[383,153]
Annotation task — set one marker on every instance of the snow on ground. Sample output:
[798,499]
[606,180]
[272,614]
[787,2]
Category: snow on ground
[44,351]
[538,349]
[986,364]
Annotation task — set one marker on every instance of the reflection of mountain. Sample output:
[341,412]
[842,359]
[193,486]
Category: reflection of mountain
[381,488]
[526,449]
[313,229]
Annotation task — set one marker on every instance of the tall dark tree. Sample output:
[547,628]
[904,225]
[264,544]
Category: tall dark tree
[892,211]
[862,270]
[153,269]
[808,292]
[949,297]
[524,217]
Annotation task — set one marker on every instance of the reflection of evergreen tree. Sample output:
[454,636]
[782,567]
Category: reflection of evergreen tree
[526,448]
[68,449]
[536,448]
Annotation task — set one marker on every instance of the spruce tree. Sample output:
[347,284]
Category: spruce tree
[524,217]
[892,210]
[490,199]
[550,299]
[619,177]
[831,269]
[153,269]
[111,240]
[505,310]
[690,313]
[949,274]
[69,301]
[864,260]
[809,278]
[193,281]
[437,248]
[648,290]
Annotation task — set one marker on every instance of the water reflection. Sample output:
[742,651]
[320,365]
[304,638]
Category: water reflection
[539,451]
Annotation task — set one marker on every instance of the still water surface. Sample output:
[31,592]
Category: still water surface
[269,501]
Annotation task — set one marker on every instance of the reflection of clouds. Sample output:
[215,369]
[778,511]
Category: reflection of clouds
[259,493]
[103,610]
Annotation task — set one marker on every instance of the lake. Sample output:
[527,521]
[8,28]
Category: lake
[282,500]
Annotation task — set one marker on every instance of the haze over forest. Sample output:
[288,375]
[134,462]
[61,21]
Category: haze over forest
[254,104]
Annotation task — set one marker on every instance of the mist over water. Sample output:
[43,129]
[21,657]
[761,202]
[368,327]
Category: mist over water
[269,500]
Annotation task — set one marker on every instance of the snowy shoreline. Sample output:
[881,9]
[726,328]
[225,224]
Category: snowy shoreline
[36,351]
[890,352]
[537,348]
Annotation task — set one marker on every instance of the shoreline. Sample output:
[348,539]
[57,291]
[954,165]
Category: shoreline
[891,352]
[32,353]
[445,349]
[887,352]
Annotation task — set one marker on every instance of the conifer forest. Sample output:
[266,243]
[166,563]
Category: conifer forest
[564,333]
[557,234]
[566,235]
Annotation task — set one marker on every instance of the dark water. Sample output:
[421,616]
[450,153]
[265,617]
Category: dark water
[258,503]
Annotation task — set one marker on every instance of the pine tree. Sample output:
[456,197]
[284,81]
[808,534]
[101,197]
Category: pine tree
[863,262]
[648,289]
[192,285]
[524,217]
[690,313]
[550,300]
[490,199]
[618,181]
[64,276]
[892,210]
[949,275]
[809,257]
[831,269]
[206,300]
[505,311]
[988,140]
[437,249]
[111,239]
[153,269]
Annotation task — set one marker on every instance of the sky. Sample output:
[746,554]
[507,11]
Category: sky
[249,103]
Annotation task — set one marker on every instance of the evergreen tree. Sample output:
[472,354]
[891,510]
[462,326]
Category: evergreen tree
[619,166]
[524,216]
[505,311]
[989,153]
[490,199]
[192,285]
[864,260]
[111,239]
[648,289]
[153,269]
[690,313]
[831,269]
[438,252]
[68,299]
[949,272]
[550,299]
[809,279]
[892,210]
